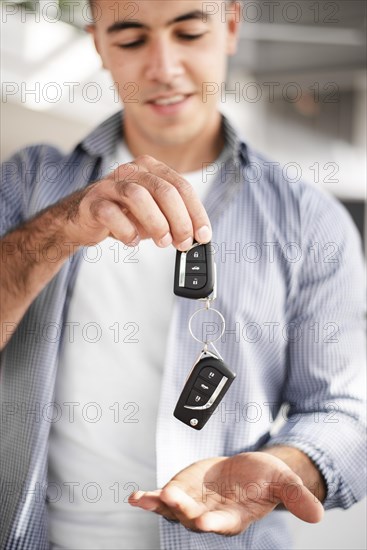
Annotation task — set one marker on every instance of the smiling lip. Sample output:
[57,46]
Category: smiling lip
[168,105]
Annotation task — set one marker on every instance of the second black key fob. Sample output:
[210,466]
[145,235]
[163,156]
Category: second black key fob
[205,387]
[195,272]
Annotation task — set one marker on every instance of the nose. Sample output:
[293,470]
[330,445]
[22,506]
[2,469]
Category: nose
[163,63]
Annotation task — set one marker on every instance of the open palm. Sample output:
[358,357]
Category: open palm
[225,495]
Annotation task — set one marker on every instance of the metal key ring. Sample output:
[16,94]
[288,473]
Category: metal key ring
[207,342]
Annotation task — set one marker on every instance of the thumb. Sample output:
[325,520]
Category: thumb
[300,501]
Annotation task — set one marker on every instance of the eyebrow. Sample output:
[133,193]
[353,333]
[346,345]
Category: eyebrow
[123,25]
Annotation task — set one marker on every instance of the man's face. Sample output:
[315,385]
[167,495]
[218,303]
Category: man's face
[161,53]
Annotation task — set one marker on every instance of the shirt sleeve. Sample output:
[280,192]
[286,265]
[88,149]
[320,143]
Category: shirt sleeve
[325,383]
[21,175]
[12,192]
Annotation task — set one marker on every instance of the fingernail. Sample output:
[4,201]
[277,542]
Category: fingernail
[203,234]
[135,241]
[135,497]
[166,240]
[185,245]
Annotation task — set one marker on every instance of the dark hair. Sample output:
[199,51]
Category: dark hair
[91,2]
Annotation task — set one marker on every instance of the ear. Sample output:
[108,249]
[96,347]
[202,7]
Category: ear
[91,29]
[233,26]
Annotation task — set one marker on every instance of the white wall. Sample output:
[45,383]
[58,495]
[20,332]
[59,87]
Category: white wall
[21,127]
[339,530]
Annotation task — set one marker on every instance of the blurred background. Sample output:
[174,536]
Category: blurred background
[296,91]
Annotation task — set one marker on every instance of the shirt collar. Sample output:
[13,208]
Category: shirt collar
[102,141]
[233,142]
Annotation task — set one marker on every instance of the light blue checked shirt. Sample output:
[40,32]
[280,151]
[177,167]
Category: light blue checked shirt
[291,288]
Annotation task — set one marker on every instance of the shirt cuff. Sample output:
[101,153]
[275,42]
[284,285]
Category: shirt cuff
[337,449]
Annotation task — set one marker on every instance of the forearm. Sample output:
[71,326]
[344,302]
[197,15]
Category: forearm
[303,466]
[30,257]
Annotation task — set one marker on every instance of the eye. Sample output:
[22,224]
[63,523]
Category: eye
[191,36]
[131,45]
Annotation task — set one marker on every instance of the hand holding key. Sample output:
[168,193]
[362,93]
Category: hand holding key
[139,200]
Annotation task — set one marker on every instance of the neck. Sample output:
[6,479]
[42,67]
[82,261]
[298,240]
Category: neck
[182,157]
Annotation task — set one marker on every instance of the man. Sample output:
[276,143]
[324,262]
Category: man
[63,312]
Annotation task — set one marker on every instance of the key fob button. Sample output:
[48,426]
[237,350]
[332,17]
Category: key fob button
[195,268]
[195,272]
[196,399]
[204,387]
[211,375]
[195,281]
[196,254]
[199,391]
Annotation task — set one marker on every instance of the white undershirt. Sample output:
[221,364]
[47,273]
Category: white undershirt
[107,391]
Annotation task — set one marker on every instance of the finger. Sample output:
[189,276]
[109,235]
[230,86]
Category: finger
[196,517]
[197,213]
[134,497]
[172,206]
[139,201]
[150,501]
[110,216]
[301,502]
[184,507]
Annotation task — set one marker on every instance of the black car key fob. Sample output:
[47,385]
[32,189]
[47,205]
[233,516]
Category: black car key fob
[195,272]
[209,380]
